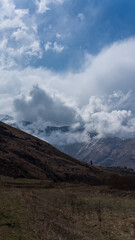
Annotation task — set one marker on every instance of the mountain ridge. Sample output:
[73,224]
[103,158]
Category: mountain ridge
[25,156]
[109,151]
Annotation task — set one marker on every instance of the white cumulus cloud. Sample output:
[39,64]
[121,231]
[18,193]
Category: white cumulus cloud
[18,34]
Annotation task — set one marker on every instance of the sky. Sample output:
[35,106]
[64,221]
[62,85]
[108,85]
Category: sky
[72,63]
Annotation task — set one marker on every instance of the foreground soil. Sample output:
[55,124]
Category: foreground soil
[43,210]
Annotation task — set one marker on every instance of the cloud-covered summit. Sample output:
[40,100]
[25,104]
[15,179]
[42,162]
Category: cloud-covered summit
[109,116]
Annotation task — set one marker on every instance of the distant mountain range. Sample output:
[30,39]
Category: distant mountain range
[105,152]
[110,151]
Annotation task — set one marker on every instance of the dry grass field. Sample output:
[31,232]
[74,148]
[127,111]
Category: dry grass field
[42,210]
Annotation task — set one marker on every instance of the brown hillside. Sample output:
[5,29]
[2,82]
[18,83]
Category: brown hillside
[22,155]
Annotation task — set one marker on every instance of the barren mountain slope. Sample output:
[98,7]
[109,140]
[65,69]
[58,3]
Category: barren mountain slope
[22,155]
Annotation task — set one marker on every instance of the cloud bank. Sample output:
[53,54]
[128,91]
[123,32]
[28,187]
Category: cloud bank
[100,98]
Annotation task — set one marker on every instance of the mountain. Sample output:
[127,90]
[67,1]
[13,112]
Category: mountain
[110,152]
[41,130]
[44,195]
[25,156]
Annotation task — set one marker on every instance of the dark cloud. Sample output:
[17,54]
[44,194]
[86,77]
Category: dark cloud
[42,106]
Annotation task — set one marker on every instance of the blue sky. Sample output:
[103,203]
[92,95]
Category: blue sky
[66,30]
[84,26]
[73,55]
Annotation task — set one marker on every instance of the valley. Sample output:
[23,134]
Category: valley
[46,194]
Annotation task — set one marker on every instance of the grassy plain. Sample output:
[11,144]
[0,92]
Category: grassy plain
[42,210]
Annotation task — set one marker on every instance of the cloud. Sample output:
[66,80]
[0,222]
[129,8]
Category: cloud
[101,90]
[58,35]
[18,34]
[113,115]
[113,69]
[48,46]
[105,116]
[54,47]
[102,93]
[81,16]
[43,106]
[27,32]
[43,5]
[57,47]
